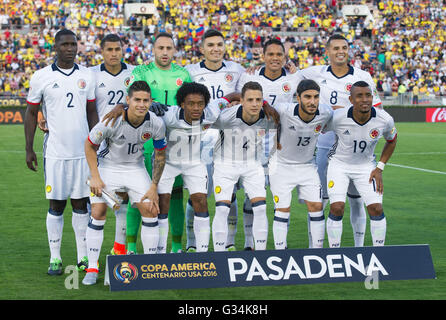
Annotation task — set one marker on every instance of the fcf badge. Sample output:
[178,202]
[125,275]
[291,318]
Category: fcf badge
[146,136]
[81,83]
[374,133]
[318,128]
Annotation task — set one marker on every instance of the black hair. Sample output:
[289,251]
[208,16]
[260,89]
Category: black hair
[359,84]
[110,38]
[273,41]
[191,88]
[212,33]
[139,86]
[251,85]
[336,36]
[307,84]
[163,35]
[63,32]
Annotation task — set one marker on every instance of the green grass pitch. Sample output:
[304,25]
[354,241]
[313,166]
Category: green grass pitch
[414,204]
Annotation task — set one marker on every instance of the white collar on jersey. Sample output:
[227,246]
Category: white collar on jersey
[54,67]
[351,70]
[350,115]
[262,73]
[203,65]
[123,67]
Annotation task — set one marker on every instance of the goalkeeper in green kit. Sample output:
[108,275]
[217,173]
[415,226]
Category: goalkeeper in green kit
[164,79]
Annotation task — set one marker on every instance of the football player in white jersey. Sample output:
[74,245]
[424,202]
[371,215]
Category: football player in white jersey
[351,159]
[122,169]
[220,77]
[294,165]
[335,81]
[237,156]
[65,91]
[112,80]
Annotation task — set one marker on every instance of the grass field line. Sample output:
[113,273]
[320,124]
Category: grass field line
[415,168]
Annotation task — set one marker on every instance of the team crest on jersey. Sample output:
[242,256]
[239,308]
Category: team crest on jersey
[146,136]
[229,77]
[286,87]
[82,83]
[374,133]
[127,81]
[261,132]
[348,86]
[179,82]
[318,128]
[98,135]
[206,126]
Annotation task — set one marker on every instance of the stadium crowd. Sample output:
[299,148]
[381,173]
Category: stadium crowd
[404,54]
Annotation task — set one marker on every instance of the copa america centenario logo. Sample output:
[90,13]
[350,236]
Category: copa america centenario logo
[125,272]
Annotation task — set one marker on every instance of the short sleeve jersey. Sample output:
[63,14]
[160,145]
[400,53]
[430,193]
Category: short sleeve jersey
[183,138]
[124,142]
[298,137]
[279,90]
[220,82]
[240,142]
[335,91]
[64,105]
[355,143]
[164,84]
[111,89]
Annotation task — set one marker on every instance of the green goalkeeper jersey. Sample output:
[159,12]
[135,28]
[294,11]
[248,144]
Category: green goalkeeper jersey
[164,84]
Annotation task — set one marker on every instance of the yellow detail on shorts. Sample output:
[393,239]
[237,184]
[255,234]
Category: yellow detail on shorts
[330,184]
[217,189]
[48,188]
[92,194]
[276,199]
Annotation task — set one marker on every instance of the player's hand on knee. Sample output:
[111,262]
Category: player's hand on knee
[377,176]
[96,186]
[113,115]
[42,125]
[152,195]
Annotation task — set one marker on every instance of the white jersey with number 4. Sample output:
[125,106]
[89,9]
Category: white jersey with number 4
[111,89]
[335,91]
[64,105]
[355,142]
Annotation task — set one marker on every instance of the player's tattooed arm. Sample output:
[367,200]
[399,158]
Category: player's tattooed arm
[157,171]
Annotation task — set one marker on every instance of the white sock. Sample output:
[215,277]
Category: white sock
[190,225]
[280,229]
[248,219]
[232,223]
[317,227]
[202,231]
[79,222]
[163,226]
[54,227]
[378,228]
[121,222]
[220,226]
[149,234]
[358,219]
[260,225]
[95,237]
[334,230]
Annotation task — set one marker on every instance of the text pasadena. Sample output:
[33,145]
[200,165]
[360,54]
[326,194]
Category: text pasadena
[337,266]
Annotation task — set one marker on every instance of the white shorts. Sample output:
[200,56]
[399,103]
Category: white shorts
[286,177]
[252,178]
[66,179]
[135,182]
[194,177]
[340,175]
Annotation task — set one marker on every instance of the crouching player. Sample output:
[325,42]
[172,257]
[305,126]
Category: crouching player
[122,169]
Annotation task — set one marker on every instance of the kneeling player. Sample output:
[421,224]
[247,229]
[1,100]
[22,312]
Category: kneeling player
[122,169]
[294,166]
[352,159]
[237,157]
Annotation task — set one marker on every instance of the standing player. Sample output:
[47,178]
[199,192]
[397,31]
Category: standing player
[294,164]
[221,78]
[352,160]
[112,80]
[66,92]
[237,157]
[335,81]
[122,169]
[164,79]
